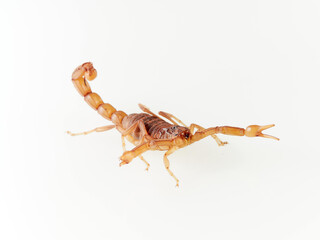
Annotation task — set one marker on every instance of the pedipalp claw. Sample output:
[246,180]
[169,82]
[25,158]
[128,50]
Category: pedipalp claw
[256,131]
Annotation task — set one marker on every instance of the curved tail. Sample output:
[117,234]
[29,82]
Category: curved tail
[80,76]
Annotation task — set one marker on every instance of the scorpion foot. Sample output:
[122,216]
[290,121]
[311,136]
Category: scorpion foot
[222,144]
[177,184]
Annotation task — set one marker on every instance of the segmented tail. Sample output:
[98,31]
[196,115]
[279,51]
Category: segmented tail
[80,76]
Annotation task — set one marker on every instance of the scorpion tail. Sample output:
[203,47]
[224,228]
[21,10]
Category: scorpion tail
[80,77]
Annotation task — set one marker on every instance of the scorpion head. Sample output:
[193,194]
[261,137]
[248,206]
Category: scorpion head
[180,133]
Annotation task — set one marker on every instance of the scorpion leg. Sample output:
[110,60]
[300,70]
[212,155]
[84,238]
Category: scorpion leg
[250,131]
[98,129]
[167,163]
[140,156]
[160,145]
[128,156]
[123,143]
[140,149]
[215,137]
[147,110]
[138,125]
[169,116]
[144,135]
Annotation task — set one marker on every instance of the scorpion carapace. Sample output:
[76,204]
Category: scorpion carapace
[148,131]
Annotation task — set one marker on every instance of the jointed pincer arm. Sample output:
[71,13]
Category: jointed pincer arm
[250,131]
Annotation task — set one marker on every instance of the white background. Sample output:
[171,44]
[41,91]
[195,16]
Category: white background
[209,62]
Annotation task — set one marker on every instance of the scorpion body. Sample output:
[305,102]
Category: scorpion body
[156,127]
[148,131]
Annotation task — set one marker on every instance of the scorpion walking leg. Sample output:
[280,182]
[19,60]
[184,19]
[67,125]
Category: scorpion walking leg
[98,129]
[169,116]
[215,137]
[167,164]
[147,110]
[144,135]
[166,115]
[142,158]
[123,143]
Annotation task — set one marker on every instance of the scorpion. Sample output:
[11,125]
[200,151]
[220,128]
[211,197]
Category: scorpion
[148,131]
